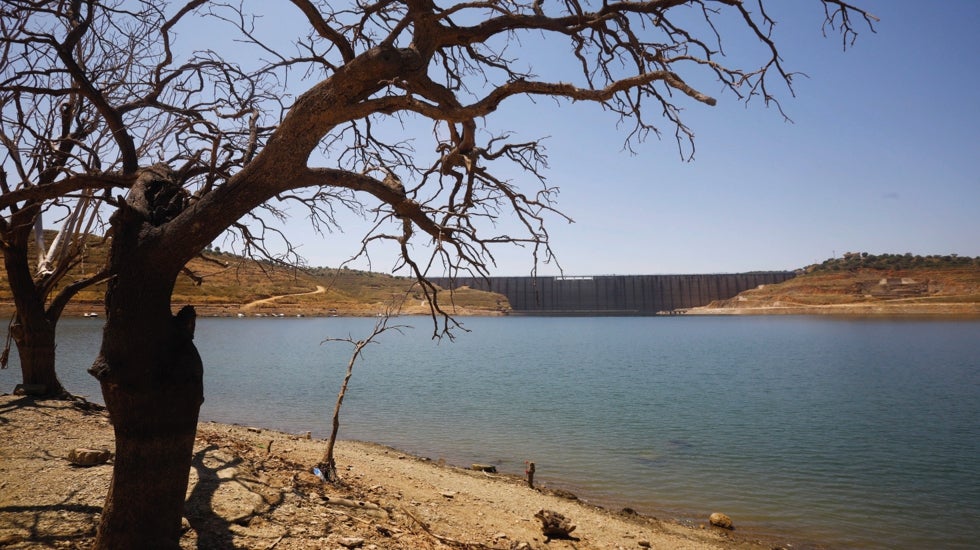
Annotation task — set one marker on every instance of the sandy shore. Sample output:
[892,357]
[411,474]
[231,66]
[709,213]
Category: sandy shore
[251,489]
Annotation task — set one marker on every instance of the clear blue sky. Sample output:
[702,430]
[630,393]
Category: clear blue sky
[882,156]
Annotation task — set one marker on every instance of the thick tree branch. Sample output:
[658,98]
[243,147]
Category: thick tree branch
[65,187]
[59,302]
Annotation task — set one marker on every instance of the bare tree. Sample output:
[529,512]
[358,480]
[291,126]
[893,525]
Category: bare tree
[203,142]
[42,136]
[327,465]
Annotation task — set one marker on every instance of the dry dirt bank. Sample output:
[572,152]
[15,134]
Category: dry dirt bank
[250,489]
[944,311]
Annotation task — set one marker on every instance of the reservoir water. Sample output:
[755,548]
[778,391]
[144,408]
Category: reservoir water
[836,433]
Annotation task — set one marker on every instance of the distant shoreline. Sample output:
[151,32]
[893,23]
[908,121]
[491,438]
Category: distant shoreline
[930,311]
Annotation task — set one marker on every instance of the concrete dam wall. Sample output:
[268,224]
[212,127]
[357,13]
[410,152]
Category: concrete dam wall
[616,294]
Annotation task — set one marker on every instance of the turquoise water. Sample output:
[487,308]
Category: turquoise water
[835,433]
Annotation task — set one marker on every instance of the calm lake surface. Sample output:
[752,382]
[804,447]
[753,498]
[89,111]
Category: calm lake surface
[839,433]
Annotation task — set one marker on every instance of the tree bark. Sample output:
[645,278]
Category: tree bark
[154,443]
[151,377]
[153,388]
[32,331]
[36,349]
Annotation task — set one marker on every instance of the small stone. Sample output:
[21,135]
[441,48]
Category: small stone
[499,536]
[488,468]
[643,543]
[721,520]
[350,542]
[448,494]
[89,457]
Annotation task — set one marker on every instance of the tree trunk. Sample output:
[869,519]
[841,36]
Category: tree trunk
[151,377]
[152,385]
[36,348]
[33,333]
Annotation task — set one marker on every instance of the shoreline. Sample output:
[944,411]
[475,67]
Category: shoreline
[261,494]
[856,310]
[952,310]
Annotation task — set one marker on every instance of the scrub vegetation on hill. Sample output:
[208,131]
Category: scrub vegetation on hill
[862,260]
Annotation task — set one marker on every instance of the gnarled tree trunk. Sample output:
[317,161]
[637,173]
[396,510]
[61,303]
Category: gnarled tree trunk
[154,416]
[32,331]
[151,377]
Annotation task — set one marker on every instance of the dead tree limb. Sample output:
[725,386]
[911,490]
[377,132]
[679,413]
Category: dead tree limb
[327,465]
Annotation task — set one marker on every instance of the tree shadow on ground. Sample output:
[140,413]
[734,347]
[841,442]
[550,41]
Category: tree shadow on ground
[23,401]
[80,403]
[49,525]
[213,531]
[226,498]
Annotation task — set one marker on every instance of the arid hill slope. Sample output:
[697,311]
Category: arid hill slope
[225,284]
[863,284]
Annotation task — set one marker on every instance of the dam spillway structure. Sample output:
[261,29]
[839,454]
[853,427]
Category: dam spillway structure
[615,294]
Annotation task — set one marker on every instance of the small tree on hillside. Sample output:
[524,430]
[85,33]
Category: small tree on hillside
[202,140]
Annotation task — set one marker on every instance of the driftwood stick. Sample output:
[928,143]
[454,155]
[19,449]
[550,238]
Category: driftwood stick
[368,507]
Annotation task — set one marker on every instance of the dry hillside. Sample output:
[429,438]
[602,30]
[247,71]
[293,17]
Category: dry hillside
[225,284]
[865,284]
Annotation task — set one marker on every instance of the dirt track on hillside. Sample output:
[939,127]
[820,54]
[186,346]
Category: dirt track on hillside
[252,305]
